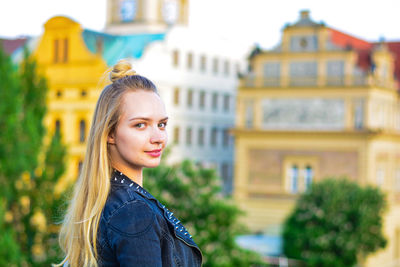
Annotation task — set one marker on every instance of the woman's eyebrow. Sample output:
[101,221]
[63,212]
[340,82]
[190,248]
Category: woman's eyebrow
[145,119]
[166,118]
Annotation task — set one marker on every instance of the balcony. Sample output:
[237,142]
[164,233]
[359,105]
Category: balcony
[285,82]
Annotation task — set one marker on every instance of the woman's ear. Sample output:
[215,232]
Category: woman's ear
[110,139]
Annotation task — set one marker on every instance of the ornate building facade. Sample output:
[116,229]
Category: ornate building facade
[321,104]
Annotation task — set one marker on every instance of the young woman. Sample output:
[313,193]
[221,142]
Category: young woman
[112,220]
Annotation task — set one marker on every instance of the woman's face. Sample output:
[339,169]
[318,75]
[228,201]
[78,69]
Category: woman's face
[140,135]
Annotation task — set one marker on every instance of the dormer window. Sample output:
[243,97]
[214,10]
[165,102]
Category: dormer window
[302,43]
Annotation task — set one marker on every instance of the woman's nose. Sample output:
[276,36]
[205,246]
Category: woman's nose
[158,136]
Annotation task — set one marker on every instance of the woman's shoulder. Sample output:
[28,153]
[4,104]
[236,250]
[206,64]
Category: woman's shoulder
[126,212]
[119,198]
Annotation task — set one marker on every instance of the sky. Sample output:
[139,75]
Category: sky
[249,21]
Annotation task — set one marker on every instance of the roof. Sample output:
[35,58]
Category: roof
[115,47]
[394,47]
[10,45]
[363,48]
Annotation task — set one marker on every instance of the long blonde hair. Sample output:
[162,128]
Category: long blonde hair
[78,234]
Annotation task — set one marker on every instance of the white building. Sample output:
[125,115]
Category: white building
[196,74]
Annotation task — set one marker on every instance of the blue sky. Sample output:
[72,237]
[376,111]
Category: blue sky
[250,21]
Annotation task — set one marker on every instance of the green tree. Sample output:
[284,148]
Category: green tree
[29,169]
[193,194]
[334,223]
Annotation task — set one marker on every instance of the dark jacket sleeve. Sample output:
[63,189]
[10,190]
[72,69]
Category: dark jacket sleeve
[134,237]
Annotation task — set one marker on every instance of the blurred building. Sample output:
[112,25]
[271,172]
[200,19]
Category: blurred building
[197,80]
[197,76]
[322,103]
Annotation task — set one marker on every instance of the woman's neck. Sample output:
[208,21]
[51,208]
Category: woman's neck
[135,175]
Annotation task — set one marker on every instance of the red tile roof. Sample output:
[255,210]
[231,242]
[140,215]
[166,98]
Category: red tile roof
[394,47]
[10,45]
[362,47]
[364,50]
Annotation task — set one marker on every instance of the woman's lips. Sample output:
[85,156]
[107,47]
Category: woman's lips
[154,153]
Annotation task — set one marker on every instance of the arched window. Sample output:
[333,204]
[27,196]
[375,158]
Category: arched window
[82,131]
[294,179]
[308,177]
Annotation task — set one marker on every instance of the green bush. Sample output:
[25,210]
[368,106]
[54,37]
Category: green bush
[193,194]
[334,223]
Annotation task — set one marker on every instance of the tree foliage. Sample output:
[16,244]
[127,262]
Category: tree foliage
[334,223]
[193,194]
[29,168]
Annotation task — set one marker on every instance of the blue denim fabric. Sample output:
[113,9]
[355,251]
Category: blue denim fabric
[137,230]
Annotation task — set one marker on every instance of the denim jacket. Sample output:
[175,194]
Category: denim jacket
[135,229]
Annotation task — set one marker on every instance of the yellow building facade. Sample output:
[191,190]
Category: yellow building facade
[73,75]
[321,104]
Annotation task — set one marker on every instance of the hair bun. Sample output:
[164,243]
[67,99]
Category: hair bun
[120,70]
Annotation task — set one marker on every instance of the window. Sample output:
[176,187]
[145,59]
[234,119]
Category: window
[225,140]
[215,65]
[225,172]
[189,136]
[227,100]
[176,135]
[57,126]
[308,177]
[380,177]
[300,173]
[83,93]
[65,57]
[56,51]
[294,179]
[175,58]
[82,131]
[176,96]
[202,99]
[358,111]
[61,49]
[335,72]
[249,113]
[226,67]
[214,133]
[302,43]
[303,73]
[272,73]
[190,98]
[190,61]
[201,137]
[203,63]
[59,93]
[215,101]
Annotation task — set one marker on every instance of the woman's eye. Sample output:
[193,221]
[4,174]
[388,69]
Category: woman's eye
[140,125]
[162,125]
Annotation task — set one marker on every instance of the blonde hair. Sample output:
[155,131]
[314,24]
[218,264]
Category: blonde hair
[78,234]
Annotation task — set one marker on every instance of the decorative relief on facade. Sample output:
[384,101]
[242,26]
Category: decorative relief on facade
[303,114]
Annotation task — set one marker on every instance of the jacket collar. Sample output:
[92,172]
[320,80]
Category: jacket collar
[120,179]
